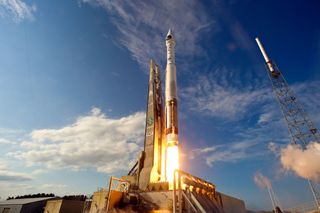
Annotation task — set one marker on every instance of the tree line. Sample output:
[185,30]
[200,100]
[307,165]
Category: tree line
[32,196]
[66,197]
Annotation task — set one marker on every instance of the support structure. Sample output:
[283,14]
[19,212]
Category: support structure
[274,200]
[117,187]
[153,160]
[300,127]
[193,194]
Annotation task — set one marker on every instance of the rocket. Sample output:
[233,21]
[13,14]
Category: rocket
[160,157]
[171,110]
[171,127]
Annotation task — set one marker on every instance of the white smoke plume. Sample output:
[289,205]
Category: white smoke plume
[261,181]
[304,163]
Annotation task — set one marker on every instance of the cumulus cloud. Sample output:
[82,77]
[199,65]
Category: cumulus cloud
[261,180]
[142,25]
[304,163]
[18,10]
[92,141]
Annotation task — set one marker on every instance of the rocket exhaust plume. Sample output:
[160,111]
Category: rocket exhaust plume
[172,161]
[171,110]
[303,162]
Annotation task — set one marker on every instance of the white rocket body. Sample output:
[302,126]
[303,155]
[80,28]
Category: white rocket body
[171,127]
[171,112]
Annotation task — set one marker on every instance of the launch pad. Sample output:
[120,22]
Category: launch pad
[156,183]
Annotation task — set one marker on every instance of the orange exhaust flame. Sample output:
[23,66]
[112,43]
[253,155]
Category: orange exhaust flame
[172,162]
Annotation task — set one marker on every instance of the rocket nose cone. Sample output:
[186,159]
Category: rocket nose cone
[169,35]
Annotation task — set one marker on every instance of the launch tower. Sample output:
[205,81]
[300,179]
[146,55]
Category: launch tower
[300,127]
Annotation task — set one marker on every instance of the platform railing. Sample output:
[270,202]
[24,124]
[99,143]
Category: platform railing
[183,184]
[116,184]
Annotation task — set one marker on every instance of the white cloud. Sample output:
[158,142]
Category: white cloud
[92,141]
[53,186]
[13,189]
[308,93]
[261,180]
[17,188]
[273,147]
[216,96]
[292,157]
[13,183]
[142,25]
[7,131]
[304,163]
[241,37]
[226,152]
[201,151]
[38,172]
[221,95]
[5,141]
[6,175]
[3,164]
[266,117]
[17,9]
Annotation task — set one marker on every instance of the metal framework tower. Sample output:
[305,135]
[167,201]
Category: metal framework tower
[299,125]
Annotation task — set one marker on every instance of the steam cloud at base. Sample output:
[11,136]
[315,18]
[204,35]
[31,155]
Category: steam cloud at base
[304,163]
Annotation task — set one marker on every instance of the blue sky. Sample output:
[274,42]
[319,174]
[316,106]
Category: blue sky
[74,84]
